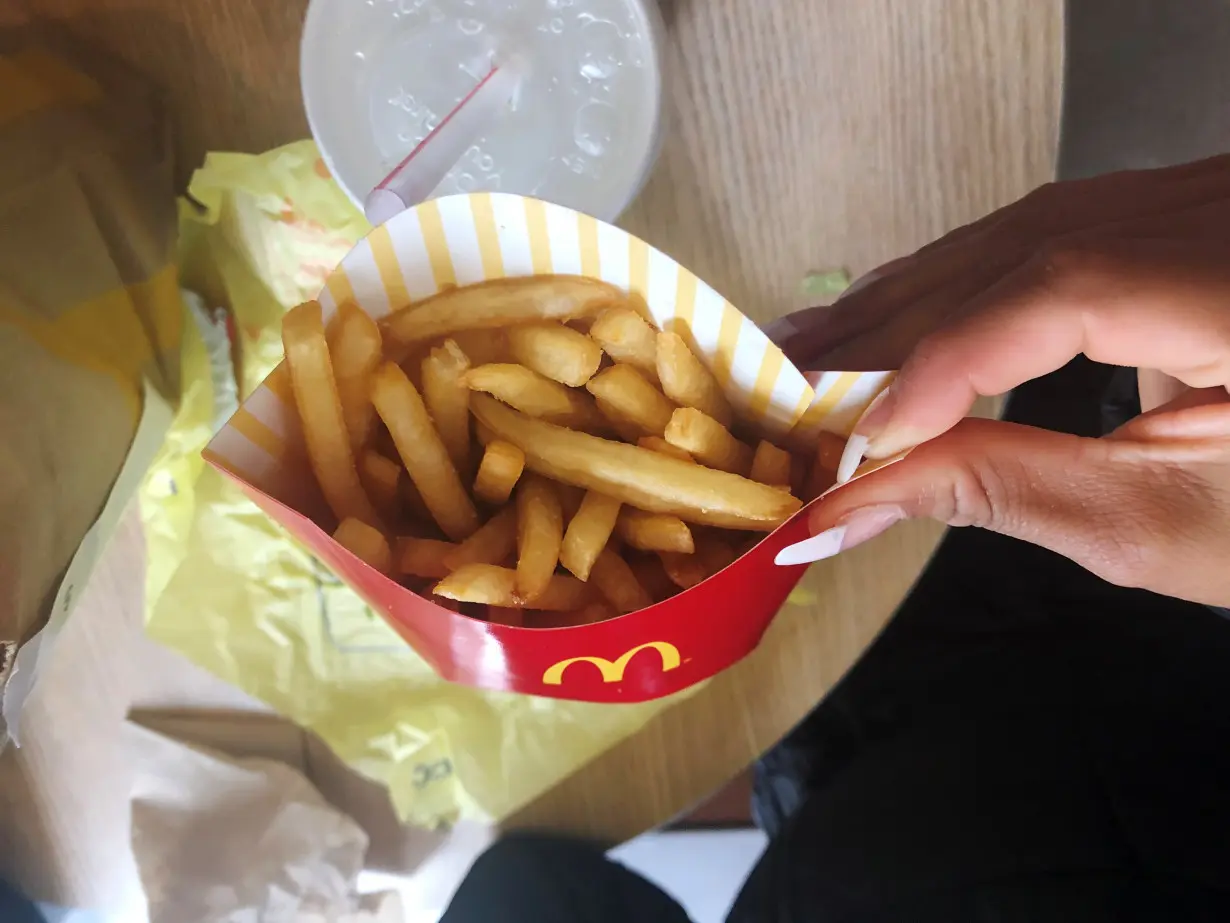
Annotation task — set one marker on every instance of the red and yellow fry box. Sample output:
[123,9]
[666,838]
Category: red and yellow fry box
[646,654]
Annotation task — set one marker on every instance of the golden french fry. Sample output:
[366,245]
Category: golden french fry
[658,444]
[717,552]
[498,472]
[652,575]
[497,586]
[499,303]
[320,412]
[624,390]
[354,347]
[684,570]
[570,498]
[626,337]
[422,452]
[483,346]
[708,441]
[654,531]
[823,475]
[494,543]
[588,533]
[771,465]
[365,543]
[615,580]
[534,395]
[641,478]
[503,615]
[556,351]
[687,381]
[712,555]
[381,478]
[423,557]
[540,531]
[483,434]
[413,501]
[618,424]
[448,400]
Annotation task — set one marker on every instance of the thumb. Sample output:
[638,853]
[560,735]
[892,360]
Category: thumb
[1087,499]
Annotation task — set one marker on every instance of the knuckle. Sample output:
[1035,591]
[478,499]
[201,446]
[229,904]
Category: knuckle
[979,494]
[1068,267]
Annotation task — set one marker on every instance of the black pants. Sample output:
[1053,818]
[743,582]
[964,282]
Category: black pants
[1024,743]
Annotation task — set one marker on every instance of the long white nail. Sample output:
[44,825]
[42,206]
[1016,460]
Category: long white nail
[860,526]
[813,549]
[851,457]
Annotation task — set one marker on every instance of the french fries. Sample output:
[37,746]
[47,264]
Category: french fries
[556,351]
[533,394]
[658,444]
[652,576]
[626,337]
[499,303]
[823,473]
[423,557]
[422,452]
[654,531]
[320,412]
[771,465]
[540,532]
[482,347]
[497,586]
[623,394]
[448,400]
[498,472]
[641,478]
[623,470]
[494,543]
[615,580]
[687,570]
[381,478]
[588,533]
[687,382]
[355,349]
[708,441]
[365,543]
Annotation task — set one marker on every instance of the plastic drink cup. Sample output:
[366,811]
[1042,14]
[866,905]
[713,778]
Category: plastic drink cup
[582,125]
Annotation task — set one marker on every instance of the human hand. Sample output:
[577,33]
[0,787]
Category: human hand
[1131,269]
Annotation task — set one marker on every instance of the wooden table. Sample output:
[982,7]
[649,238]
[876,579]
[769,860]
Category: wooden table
[803,134]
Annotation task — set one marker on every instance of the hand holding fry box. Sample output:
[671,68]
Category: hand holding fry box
[575,462]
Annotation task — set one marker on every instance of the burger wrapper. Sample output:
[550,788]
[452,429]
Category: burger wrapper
[460,240]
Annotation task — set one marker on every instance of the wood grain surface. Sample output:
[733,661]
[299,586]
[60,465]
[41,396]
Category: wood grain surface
[802,134]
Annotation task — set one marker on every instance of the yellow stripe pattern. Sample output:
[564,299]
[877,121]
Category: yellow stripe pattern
[728,342]
[390,270]
[488,237]
[587,237]
[441,261]
[540,240]
[339,287]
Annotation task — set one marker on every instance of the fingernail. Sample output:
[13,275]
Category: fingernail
[851,457]
[883,439]
[858,527]
[893,441]
[878,415]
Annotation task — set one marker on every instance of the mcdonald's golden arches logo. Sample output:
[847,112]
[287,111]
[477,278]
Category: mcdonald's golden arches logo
[613,671]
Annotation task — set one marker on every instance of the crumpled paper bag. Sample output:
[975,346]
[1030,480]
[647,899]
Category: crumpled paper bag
[229,590]
[90,319]
[219,840]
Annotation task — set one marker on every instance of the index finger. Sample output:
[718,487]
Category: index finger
[1143,303]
